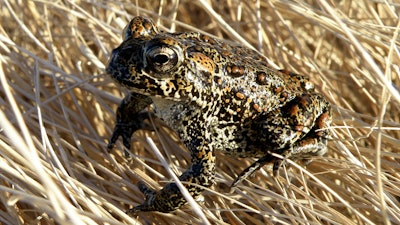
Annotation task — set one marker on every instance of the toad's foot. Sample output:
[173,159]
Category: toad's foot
[170,197]
[252,169]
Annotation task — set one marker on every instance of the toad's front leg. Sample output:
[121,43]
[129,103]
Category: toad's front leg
[129,119]
[201,173]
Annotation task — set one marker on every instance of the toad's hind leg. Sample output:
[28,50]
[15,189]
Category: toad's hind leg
[253,168]
[296,131]
[303,150]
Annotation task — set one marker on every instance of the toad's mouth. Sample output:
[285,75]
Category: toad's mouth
[149,86]
[128,68]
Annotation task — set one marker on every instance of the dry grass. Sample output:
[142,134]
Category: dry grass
[57,112]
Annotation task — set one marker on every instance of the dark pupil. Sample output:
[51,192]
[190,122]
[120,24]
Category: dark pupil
[161,59]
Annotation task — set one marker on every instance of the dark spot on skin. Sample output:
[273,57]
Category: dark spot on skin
[235,71]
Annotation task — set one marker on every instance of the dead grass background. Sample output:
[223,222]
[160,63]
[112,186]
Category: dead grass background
[57,112]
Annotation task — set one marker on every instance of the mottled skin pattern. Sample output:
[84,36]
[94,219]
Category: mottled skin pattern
[216,96]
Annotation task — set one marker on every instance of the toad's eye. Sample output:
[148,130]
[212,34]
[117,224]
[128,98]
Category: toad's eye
[161,57]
